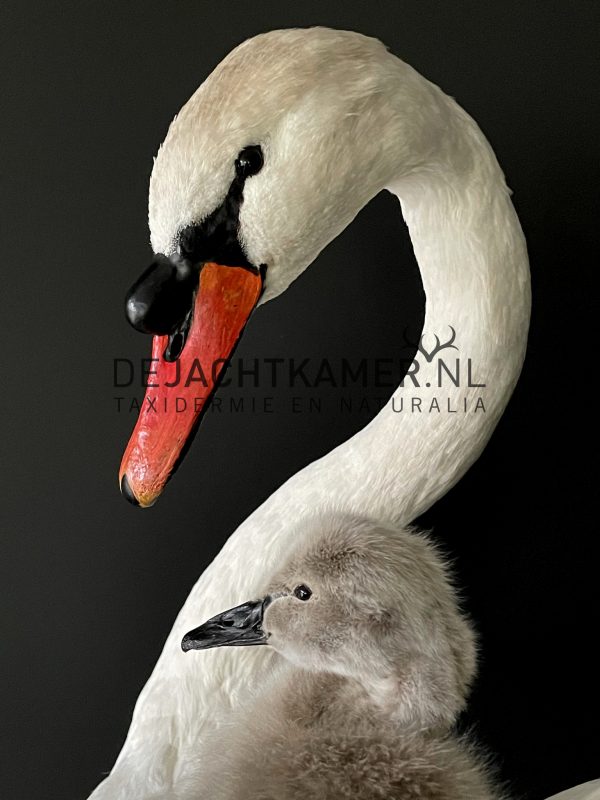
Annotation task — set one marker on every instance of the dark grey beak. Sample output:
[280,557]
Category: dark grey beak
[240,626]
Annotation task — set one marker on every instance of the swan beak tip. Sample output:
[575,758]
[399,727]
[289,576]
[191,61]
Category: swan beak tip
[127,492]
[131,497]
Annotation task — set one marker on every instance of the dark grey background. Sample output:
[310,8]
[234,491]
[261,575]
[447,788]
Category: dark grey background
[92,585]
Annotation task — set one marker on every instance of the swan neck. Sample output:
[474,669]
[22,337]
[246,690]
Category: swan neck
[473,262]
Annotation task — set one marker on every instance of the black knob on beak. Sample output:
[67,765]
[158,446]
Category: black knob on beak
[159,301]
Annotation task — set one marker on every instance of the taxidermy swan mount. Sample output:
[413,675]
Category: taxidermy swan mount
[278,150]
[383,658]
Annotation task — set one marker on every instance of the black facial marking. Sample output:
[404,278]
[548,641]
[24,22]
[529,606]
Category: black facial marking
[161,301]
[216,238]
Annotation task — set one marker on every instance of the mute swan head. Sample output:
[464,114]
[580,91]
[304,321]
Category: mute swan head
[366,602]
[271,158]
[326,120]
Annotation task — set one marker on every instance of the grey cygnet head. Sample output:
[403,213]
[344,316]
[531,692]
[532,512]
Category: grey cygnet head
[369,602]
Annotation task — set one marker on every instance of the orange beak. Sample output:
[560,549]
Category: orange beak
[179,392]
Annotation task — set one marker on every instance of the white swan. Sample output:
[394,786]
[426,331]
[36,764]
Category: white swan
[383,662]
[338,119]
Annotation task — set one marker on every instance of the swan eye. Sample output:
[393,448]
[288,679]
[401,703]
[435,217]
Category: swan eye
[302,592]
[249,161]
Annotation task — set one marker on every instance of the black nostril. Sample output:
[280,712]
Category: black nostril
[159,301]
[178,339]
[174,347]
[127,492]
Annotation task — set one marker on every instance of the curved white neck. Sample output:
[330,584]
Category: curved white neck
[473,261]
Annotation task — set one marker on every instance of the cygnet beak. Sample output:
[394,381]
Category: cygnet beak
[240,626]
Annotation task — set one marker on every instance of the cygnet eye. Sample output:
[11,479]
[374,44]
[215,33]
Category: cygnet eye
[249,161]
[302,592]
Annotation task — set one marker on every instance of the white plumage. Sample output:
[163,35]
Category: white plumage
[339,119]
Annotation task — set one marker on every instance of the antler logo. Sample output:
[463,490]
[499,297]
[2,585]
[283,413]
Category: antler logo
[430,355]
